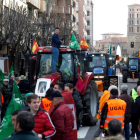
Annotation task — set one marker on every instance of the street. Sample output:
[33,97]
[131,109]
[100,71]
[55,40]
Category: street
[86,133]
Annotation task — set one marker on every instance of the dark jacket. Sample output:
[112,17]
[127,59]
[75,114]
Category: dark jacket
[7,93]
[43,124]
[63,121]
[136,113]
[23,85]
[23,135]
[129,101]
[77,101]
[25,107]
[134,89]
[56,41]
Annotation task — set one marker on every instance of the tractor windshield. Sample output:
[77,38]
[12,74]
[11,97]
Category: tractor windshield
[64,65]
[98,60]
[133,62]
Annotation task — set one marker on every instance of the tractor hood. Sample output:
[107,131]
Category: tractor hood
[98,71]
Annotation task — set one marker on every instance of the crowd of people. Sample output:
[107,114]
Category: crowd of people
[125,108]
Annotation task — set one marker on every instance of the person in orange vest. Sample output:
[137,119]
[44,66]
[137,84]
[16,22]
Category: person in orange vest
[114,108]
[102,101]
[45,103]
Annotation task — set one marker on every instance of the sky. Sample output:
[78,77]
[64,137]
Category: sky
[111,16]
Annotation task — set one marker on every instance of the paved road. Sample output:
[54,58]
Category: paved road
[86,133]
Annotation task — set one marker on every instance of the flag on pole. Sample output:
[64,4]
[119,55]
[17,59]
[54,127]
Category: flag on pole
[35,47]
[74,43]
[11,72]
[6,128]
[83,44]
[1,77]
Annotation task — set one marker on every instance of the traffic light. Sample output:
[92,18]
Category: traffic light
[132,44]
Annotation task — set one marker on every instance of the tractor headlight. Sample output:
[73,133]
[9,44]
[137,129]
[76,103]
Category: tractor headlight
[96,76]
[101,76]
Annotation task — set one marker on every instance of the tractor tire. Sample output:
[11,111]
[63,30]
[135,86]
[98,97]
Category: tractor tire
[114,81]
[89,100]
[124,76]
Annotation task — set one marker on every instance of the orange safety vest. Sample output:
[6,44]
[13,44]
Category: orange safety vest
[102,101]
[46,104]
[2,99]
[116,110]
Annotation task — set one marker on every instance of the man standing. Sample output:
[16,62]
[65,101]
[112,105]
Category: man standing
[62,117]
[129,101]
[43,124]
[55,48]
[136,113]
[114,108]
[23,125]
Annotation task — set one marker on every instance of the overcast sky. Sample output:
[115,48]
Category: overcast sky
[111,16]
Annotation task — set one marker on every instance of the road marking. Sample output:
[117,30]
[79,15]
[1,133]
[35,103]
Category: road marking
[82,132]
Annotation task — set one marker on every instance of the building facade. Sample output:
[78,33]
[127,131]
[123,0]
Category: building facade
[133,28]
[89,19]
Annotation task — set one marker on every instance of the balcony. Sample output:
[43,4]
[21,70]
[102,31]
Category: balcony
[85,33]
[88,17]
[77,8]
[88,37]
[88,27]
[33,4]
[61,9]
[84,9]
[84,21]
[88,8]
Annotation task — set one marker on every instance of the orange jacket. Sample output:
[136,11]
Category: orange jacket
[2,99]
[45,104]
[116,110]
[102,101]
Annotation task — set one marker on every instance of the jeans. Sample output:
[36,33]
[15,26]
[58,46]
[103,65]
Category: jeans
[137,134]
[97,132]
[126,132]
[55,55]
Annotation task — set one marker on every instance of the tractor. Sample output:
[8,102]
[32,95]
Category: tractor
[131,69]
[69,63]
[104,69]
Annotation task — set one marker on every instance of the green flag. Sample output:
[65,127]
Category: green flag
[74,43]
[110,47]
[11,72]
[99,45]
[6,128]
[1,77]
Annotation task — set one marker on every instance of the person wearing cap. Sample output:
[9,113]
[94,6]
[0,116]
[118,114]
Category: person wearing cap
[136,113]
[129,101]
[61,117]
[25,106]
[7,95]
[23,84]
[114,108]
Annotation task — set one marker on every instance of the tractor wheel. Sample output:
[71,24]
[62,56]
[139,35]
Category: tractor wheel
[90,99]
[124,76]
[113,81]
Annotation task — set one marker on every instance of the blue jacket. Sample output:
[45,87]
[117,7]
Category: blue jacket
[56,41]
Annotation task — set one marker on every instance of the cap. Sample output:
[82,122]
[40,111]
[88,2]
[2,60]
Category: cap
[6,78]
[124,87]
[114,92]
[26,95]
[55,94]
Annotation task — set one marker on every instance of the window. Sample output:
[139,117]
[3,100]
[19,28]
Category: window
[105,37]
[88,13]
[130,9]
[113,48]
[88,22]
[132,22]
[132,29]
[88,41]
[122,47]
[137,29]
[103,47]
[88,32]
[129,29]
[137,9]
[138,22]
[129,15]
[132,15]
[137,15]
[129,22]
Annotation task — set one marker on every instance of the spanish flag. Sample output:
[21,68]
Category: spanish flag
[35,47]
[83,44]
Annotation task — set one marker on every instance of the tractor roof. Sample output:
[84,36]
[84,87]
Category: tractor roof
[133,58]
[97,53]
[47,49]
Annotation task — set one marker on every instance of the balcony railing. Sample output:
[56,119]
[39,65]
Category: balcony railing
[61,9]
[84,21]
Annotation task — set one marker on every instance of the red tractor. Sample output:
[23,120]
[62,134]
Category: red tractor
[68,64]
